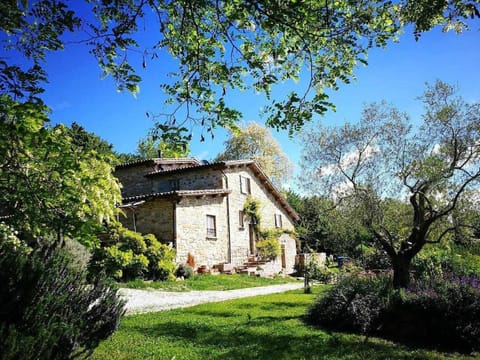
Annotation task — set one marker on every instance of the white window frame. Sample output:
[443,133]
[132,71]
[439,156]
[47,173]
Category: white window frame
[245,187]
[278,221]
[211,226]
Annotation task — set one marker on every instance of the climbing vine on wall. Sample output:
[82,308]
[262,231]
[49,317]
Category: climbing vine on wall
[251,209]
[268,244]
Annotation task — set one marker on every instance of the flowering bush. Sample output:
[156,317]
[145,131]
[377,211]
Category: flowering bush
[354,304]
[48,309]
[444,312]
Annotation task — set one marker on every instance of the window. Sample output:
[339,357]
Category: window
[241,217]
[244,185]
[278,220]
[175,184]
[211,226]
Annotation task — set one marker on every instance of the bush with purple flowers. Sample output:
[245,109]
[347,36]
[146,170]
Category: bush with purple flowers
[443,312]
[48,310]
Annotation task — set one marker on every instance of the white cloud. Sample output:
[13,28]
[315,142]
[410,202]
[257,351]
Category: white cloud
[341,190]
[348,160]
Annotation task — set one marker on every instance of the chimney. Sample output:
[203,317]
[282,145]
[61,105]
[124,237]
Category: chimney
[159,152]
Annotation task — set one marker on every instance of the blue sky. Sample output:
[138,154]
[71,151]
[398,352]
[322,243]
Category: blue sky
[397,74]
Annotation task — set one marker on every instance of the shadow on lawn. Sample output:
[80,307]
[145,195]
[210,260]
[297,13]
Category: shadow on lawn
[256,338]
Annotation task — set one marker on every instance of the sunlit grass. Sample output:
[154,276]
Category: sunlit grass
[209,282]
[263,327]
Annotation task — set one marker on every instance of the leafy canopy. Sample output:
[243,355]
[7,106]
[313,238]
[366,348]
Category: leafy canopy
[323,227]
[52,182]
[218,46]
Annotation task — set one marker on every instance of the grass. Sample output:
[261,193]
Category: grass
[208,282]
[263,327]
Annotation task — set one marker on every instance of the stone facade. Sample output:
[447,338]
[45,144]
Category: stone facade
[198,209]
[153,217]
[192,234]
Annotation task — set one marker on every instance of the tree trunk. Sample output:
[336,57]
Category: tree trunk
[401,271]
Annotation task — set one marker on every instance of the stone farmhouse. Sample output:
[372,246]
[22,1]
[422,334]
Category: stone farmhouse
[198,208]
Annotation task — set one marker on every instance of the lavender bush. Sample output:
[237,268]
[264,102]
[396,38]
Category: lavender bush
[443,312]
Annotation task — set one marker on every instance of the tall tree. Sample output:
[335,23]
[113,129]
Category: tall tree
[432,167]
[86,141]
[327,228]
[219,46]
[175,145]
[48,182]
[255,142]
[148,148]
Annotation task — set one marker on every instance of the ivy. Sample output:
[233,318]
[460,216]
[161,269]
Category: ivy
[251,209]
[268,245]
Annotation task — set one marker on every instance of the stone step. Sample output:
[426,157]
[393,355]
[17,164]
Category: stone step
[258,262]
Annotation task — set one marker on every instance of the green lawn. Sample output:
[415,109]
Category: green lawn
[263,327]
[208,282]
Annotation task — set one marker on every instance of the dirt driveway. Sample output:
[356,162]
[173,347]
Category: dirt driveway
[142,301]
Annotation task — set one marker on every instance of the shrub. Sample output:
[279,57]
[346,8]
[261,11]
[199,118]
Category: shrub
[268,245]
[130,240]
[163,270]
[464,261]
[354,304]
[322,273]
[161,261]
[429,264]
[150,239]
[184,271]
[268,248]
[455,259]
[110,260]
[443,313]
[134,256]
[49,310]
[375,260]
[136,268]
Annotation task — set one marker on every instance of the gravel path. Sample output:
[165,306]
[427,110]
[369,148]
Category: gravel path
[142,301]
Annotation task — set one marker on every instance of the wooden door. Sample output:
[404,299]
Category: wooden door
[251,234]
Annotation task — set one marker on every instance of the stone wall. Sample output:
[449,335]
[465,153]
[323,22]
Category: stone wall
[269,207]
[136,183]
[194,180]
[133,180]
[319,258]
[158,216]
[289,244]
[192,236]
[155,217]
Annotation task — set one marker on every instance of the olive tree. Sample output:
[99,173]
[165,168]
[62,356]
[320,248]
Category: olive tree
[432,166]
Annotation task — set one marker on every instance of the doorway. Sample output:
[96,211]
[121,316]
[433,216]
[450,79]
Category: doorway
[251,236]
